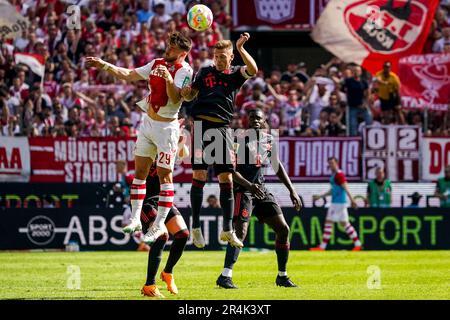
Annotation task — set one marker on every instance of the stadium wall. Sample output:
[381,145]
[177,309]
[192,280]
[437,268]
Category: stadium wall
[100,229]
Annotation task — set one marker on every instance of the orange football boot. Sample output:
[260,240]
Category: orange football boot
[357,248]
[151,291]
[318,248]
[170,281]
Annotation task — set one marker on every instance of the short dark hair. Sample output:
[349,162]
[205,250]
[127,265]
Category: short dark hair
[333,158]
[179,40]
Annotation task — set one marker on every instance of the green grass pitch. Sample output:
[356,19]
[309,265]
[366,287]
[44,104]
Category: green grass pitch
[320,275]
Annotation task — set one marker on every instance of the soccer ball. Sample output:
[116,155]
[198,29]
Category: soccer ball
[200,17]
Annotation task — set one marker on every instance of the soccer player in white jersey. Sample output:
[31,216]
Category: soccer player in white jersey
[159,132]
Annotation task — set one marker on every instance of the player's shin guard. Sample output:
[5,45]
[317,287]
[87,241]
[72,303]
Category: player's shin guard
[227,204]
[351,232]
[137,196]
[176,249]
[196,201]
[154,259]
[231,257]
[282,251]
[165,202]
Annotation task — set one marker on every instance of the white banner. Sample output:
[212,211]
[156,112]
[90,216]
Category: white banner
[435,157]
[12,24]
[14,159]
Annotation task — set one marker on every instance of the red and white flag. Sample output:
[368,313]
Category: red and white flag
[370,32]
[425,81]
[36,62]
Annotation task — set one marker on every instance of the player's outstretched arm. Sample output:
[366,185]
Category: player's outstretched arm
[252,187]
[252,68]
[128,75]
[283,176]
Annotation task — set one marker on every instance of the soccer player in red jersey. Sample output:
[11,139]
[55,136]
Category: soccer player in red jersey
[159,132]
[337,212]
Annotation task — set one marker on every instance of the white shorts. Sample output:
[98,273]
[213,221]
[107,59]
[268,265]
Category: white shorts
[337,213]
[158,140]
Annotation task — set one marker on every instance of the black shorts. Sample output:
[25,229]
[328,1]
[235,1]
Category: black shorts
[246,205]
[221,158]
[150,211]
[389,104]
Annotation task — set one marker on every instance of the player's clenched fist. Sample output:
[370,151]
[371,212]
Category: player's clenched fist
[186,92]
[95,62]
[243,39]
[161,71]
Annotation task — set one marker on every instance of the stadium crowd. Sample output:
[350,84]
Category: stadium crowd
[336,99]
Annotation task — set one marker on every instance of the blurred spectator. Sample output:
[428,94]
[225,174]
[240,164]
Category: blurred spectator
[132,33]
[379,191]
[388,90]
[415,199]
[357,93]
[334,128]
[439,45]
[213,202]
[443,188]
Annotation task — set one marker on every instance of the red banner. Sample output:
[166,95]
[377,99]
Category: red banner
[78,160]
[276,14]
[425,81]
[370,32]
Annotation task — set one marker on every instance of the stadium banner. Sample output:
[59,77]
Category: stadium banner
[435,157]
[425,82]
[264,15]
[14,159]
[101,229]
[78,160]
[59,195]
[306,159]
[369,32]
[396,148]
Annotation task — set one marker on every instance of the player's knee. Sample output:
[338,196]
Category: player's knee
[225,177]
[182,234]
[283,231]
[201,175]
[164,174]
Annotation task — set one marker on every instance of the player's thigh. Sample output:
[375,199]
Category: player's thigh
[142,166]
[224,177]
[144,154]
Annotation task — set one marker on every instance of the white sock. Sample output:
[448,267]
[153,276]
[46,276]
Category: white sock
[282,273]
[227,272]
[357,243]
